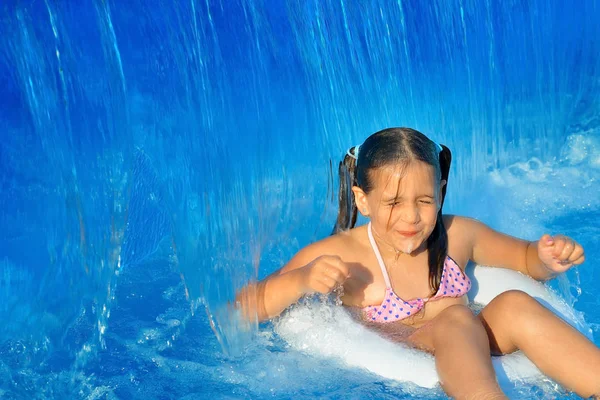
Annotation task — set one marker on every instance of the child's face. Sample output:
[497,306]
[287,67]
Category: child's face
[403,205]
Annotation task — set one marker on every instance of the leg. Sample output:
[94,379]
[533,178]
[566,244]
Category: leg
[462,354]
[514,320]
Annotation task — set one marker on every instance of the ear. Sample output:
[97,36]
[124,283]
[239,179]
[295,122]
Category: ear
[360,198]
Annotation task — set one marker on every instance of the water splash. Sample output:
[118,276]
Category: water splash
[237,111]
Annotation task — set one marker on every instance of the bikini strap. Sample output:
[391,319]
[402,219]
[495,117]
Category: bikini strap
[388,284]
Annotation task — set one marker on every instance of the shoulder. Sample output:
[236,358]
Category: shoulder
[461,226]
[462,234]
[332,245]
[341,244]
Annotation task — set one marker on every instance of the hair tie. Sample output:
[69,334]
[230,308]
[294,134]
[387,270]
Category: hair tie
[355,155]
[439,147]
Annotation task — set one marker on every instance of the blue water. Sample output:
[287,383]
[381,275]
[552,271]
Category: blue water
[157,156]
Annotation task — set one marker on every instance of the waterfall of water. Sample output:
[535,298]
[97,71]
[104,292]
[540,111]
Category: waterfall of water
[207,131]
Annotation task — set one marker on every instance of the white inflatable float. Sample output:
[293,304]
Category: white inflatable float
[325,330]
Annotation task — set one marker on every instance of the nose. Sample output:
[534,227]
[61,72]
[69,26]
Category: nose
[410,214]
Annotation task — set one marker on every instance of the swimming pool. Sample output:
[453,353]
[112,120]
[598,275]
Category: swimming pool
[155,158]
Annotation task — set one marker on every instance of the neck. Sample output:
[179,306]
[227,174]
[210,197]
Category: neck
[390,252]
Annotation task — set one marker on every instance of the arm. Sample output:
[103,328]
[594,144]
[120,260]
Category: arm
[542,260]
[268,298]
[307,272]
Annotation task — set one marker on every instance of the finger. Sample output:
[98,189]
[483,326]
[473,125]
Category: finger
[567,250]
[579,261]
[333,273]
[327,260]
[327,281]
[562,266]
[339,274]
[332,259]
[558,246]
[546,241]
[577,252]
[321,288]
[342,267]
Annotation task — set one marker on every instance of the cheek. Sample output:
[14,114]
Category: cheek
[429,217]
[384,219]
[430,213]
[383,212]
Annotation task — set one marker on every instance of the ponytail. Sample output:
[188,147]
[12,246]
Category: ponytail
[445,161]
[347,211]
[437,243]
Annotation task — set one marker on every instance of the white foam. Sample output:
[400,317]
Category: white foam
[328,331]
[324,330]
[553,183]
[581,149]
[529,195]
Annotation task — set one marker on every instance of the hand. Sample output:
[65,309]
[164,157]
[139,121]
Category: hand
[323,274]
[559,253]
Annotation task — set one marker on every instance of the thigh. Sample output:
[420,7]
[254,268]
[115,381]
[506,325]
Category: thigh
[424,338]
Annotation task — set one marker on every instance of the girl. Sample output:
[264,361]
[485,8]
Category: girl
[404,269]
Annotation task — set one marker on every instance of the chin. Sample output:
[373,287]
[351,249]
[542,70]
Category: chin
[408,246]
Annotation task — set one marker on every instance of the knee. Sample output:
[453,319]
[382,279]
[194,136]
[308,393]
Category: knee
[520,308]
[515,301]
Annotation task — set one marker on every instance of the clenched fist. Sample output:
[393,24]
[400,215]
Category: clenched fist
[324,274]
[559,253]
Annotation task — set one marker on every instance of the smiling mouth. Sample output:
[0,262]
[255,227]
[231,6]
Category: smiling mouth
[407,233]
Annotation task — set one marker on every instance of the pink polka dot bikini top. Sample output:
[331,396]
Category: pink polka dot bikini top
[454,283]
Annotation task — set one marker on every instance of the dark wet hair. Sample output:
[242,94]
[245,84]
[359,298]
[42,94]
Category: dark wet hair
[395,146]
